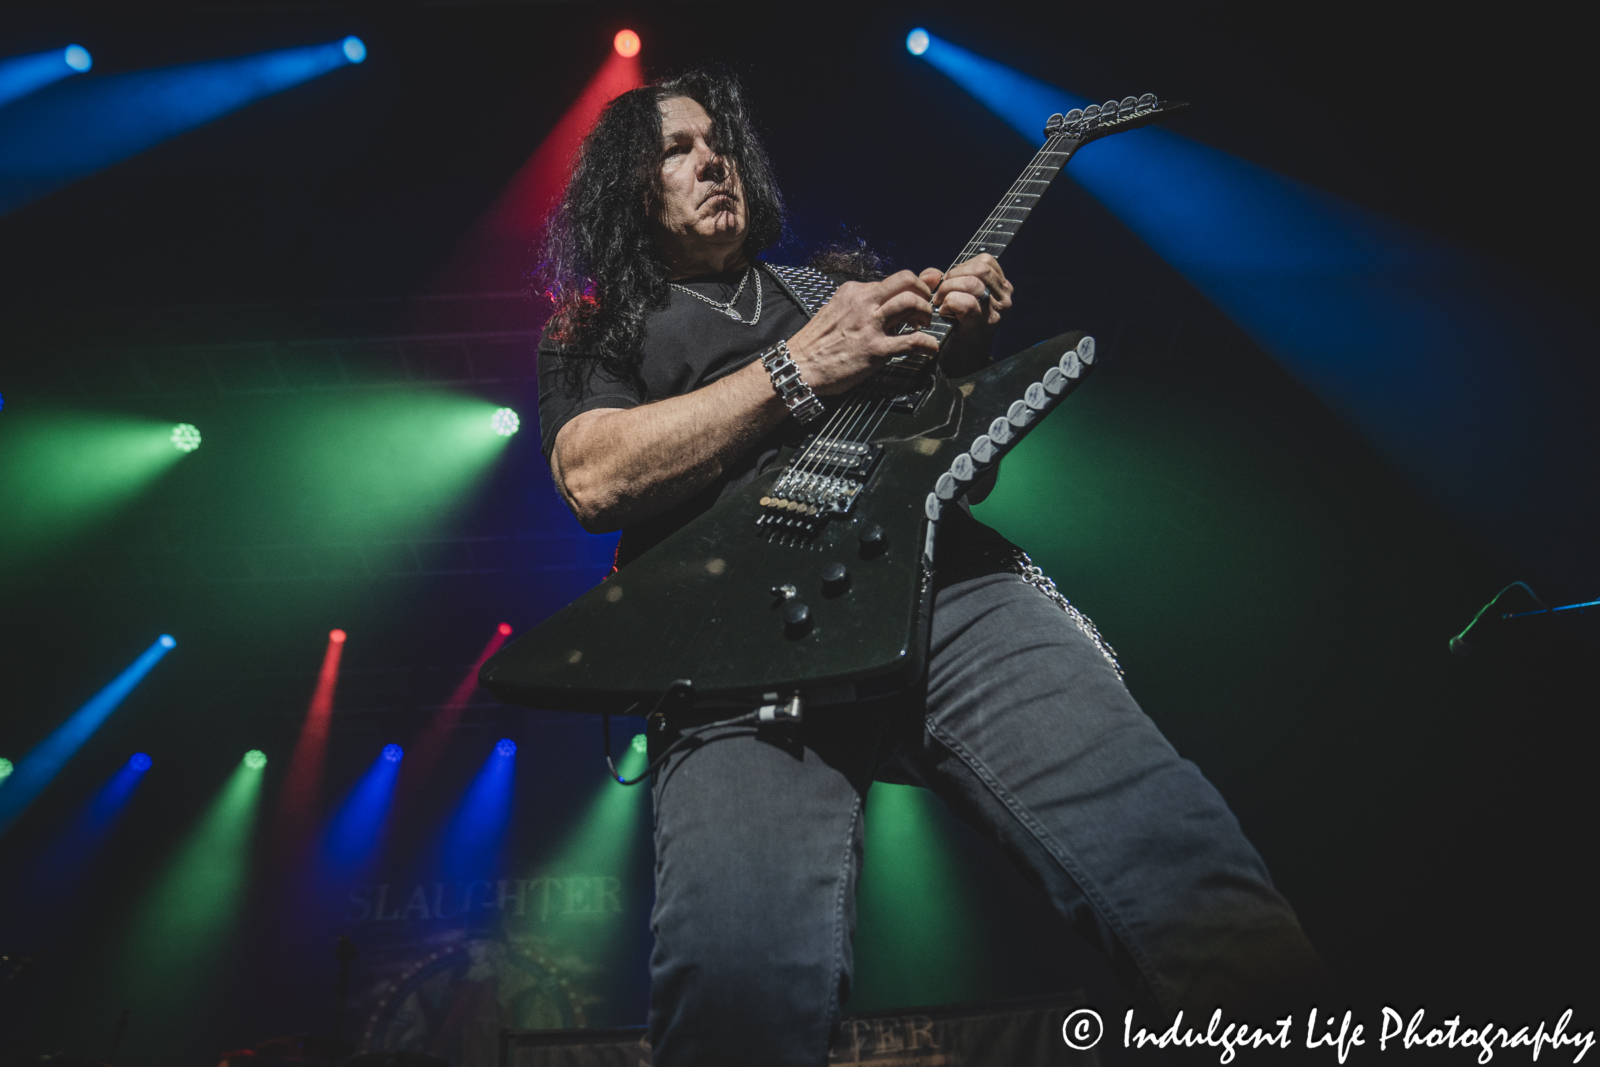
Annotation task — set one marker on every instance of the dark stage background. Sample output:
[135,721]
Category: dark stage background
[296,279]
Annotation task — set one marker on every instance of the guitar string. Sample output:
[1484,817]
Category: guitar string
[1049,148]
[875,413]
[870,412]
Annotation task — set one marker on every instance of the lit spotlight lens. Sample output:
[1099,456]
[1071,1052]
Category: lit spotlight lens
[355,50]
[255,759]
[640,743]
[506,747]
[167,641]
[337,636]
[6,768]
[917,41]
[504,422]
[141,762]
[505,629]
[185,437]
[77,57]
[626,42]
[392,753]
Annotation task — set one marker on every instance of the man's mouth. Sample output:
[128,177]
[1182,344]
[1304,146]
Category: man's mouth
[722,194]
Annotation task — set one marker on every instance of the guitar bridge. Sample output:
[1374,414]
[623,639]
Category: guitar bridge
[824,478]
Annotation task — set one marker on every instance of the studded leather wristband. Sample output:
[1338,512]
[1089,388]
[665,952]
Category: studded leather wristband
[790,387]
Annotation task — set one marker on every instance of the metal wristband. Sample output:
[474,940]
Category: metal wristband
[791,388]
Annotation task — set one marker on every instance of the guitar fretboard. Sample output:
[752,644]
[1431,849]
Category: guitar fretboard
[1012,211]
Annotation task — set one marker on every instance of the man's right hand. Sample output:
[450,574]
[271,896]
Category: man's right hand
[858,331]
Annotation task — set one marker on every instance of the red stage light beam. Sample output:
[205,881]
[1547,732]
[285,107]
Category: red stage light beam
[423,756]
[298,801]
[626,43]
[498,251]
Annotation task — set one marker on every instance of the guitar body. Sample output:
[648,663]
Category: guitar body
[719,603]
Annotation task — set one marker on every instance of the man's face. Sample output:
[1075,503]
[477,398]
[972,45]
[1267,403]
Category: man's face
[702,203]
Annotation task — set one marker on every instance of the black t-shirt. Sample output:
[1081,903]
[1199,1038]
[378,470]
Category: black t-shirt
[687,345]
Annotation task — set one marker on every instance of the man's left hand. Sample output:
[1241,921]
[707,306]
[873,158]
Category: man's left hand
[973,294]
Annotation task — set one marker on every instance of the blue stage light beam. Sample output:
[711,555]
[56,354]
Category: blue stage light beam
[22,75]
[56,137]
[357,827]
[1410,339]
[472,840]
[57,876]
[42,764]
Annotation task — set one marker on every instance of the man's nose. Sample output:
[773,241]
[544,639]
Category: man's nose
[714,170]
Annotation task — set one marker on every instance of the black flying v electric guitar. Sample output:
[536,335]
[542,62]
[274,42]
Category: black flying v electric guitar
[814,581]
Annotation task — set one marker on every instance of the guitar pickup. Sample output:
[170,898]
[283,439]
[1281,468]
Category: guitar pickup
[849,458]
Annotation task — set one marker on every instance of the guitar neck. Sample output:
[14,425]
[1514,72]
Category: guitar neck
[995,235]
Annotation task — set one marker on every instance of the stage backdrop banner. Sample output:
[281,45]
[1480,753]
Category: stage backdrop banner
[1017,1034]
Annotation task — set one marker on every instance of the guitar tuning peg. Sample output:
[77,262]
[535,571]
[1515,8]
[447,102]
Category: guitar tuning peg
[1147,100]
[1128,103]
[1108,110]
[1075,115]
[1054,123]
[1092,111]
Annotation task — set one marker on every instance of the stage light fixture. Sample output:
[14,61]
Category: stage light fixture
[185,437]
[641,743]
[6,767]
[393,753]
[141,762]
[626,43]
[505,629]
[506,747]
[337,636]
[255,759]
[167,641]
[917,41]
[77,57]
[504,422]
[355,49]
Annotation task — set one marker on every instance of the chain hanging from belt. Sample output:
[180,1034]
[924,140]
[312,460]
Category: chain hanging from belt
[727,307]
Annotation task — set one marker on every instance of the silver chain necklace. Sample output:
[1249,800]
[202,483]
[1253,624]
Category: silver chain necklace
[727,307]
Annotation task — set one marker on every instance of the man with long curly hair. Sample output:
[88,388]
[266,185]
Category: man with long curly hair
[655,402]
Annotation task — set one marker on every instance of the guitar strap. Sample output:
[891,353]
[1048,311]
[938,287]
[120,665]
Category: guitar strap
[807,287]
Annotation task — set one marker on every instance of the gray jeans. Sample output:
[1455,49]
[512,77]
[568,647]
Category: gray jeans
[1027,732]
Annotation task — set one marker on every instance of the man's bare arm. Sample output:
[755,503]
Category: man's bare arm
[615,466]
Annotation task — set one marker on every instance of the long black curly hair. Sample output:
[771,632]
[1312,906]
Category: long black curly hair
[600,267]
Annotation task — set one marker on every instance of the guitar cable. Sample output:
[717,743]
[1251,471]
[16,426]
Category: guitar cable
[675,688]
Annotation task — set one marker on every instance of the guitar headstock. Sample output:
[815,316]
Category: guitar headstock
[1113,116]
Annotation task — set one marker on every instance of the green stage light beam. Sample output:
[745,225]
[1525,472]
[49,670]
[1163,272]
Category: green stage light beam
[582,885]
[180,933]
[384,465]
[916,939]
[62,470]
